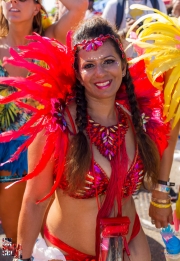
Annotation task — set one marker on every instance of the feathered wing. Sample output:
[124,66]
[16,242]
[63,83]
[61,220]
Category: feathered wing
[159,36]
[150,101]
[50,87]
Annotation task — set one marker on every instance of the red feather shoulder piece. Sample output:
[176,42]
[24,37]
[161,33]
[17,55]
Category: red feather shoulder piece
[151,102]
[49,86]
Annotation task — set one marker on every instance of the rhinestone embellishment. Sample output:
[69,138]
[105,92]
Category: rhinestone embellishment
[108,139]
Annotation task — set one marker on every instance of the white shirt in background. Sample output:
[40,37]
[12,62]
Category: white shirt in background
[109,12]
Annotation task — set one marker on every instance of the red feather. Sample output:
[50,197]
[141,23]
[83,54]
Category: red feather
[60,153]
[150,101]
[49,86]
[26,130]
[26,106]
[46,156]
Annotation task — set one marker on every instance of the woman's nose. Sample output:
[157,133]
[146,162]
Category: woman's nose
[100,70]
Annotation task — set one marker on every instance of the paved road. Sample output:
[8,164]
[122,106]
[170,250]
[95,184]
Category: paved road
[142,205]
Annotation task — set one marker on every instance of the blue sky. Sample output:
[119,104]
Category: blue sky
[49,4]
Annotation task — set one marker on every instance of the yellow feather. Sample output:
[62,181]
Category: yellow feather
[178,207]
[137,59]
[146,8]
[164,65]
[173,78]
[147,16]
[139,43]
[174,101]
[177,117]
[159,36]
[158,85]
[159,28]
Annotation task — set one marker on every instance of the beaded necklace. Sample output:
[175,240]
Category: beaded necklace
[108,139]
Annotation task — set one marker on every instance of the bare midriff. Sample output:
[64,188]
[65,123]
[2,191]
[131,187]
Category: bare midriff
[74,220]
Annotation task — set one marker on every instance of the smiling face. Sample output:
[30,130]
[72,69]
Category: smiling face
[17,11]
[100,71]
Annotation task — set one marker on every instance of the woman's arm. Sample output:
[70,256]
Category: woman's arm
[167,158]
[163,216]
[76,12]
[31,216]
[176,8]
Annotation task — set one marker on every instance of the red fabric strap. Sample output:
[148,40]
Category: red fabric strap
[71,120]
[72,253]
[136,228]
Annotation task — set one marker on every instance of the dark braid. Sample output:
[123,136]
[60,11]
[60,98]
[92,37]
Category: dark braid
[147,147]
[78,158]
[81,108]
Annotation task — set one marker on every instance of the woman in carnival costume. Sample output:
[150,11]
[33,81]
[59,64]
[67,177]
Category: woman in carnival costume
[19,18]
[94,138]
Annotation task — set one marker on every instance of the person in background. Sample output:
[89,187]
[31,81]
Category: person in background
[175,8]
[123,17]
[19,18]
[91,11]
[60,11]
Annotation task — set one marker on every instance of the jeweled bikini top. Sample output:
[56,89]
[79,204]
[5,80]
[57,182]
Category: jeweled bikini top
[100,182]
[96,181]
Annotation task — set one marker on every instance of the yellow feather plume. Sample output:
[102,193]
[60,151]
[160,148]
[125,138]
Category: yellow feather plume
[178,207]
[159,36]
[46,22]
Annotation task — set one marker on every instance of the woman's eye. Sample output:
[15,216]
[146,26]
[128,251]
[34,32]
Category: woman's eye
[88,66]
[109,61]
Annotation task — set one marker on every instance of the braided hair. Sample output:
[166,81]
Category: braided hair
[147,148]
[79,156]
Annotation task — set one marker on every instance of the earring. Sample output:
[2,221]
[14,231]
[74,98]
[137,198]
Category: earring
[123,74]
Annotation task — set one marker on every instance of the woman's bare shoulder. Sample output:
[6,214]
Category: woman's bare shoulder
[39,141]
[2,40]
[4,49]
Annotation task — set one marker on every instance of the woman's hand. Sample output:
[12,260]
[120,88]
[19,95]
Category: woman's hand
[160,217]
[129,23]
[176,8]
